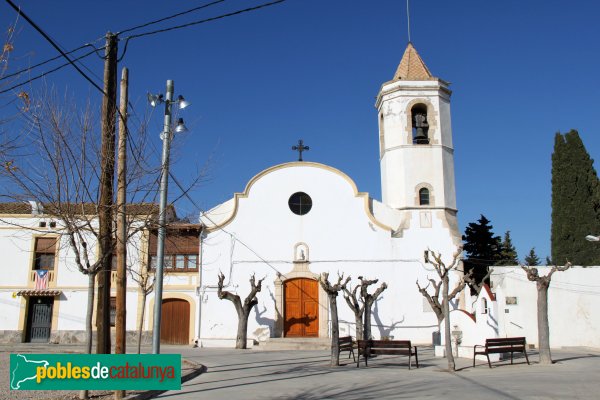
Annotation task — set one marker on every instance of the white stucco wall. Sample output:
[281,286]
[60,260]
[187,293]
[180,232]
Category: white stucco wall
[573,313]
[341,236]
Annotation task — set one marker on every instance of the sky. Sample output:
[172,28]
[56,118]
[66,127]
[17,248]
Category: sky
[520,71]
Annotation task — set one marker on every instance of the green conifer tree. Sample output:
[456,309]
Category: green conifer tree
[482,248]
[508,253]
[575,202]
[532,259]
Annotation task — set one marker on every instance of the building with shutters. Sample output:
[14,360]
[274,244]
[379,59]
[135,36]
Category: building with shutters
[44,296]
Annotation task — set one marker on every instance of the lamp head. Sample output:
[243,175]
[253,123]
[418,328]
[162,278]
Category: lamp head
[180,126]
[183,103]
[155,100]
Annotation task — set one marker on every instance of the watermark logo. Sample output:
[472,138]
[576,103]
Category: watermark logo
[95,371]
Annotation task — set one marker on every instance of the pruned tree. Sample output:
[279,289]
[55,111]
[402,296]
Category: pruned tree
[442,310]
[368,299]
[242,309]
[543,283]
[352,298]
[332,293]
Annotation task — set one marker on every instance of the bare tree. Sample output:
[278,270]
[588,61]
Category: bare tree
[368,300]
[543,283]
[352,298]
[442,310]
[145,282]
[332,292]
[434,299]
[59,171]
[243,310]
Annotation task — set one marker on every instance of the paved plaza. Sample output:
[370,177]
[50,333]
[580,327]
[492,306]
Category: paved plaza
[306,375]
[253,374]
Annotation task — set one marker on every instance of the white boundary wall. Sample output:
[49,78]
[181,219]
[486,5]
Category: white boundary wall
[573,305]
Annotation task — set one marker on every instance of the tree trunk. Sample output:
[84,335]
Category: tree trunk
[242,332]
[141,323]
[447,337]
[335,330]
[542,320]
[83,394]
[367,317]
[359,326]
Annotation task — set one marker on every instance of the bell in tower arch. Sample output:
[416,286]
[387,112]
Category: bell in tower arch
[420,126]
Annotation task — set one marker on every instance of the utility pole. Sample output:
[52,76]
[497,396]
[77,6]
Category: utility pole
[105,204]
[120,318]
[164,182]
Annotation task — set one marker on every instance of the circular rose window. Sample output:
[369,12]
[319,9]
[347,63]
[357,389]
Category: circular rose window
[300,203]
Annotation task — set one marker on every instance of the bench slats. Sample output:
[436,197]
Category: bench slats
[501,345]
[387,347]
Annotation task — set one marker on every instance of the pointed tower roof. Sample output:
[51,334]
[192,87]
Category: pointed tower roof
[412,67]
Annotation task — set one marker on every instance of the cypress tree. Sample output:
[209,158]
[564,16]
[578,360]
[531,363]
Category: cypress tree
[508,253]
[575,202]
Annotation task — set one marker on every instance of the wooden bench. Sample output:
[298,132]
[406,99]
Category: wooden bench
[386,347]
[501,345]
[345,343]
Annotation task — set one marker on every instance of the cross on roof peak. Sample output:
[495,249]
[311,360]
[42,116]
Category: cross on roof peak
[300,148]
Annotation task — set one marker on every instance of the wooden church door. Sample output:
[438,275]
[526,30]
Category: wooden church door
[175,322]
[301,312]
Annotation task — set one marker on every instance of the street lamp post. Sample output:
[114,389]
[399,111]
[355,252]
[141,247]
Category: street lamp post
[166,136]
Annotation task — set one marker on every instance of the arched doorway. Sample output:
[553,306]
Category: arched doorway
[175,322]
[301,310]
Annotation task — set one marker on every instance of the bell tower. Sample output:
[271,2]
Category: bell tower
[415,141]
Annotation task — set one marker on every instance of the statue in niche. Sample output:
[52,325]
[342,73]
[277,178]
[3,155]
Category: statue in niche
[301,253]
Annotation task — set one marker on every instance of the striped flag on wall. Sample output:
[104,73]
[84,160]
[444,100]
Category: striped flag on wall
[41,279]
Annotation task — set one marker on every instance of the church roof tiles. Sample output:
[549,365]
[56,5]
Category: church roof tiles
[412,67]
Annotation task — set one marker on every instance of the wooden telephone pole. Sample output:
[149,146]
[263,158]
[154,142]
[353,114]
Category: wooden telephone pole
[105,204]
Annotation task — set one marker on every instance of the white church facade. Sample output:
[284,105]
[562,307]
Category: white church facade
[297,220]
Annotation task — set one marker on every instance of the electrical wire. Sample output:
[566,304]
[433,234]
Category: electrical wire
[264,5]
[49,60]
[46,73]
[171,16]
[54,44]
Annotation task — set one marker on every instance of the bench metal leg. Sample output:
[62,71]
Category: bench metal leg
[527,358]
[416,357]
[409,355]
[488,357]
[511,358]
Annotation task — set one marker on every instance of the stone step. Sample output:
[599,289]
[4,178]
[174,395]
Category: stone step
[295,344]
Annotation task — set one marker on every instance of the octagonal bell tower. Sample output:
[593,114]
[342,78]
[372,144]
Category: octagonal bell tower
[415,141]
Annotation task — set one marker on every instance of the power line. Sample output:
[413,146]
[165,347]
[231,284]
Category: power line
[55,45]
[49,60]
[264,5]
[171,16]
[48,72]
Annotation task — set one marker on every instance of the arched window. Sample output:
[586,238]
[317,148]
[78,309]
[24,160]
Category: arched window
[420,126]
[424,197]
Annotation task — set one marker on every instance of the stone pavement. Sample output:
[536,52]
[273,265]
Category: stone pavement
[253,374]
[305,375]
